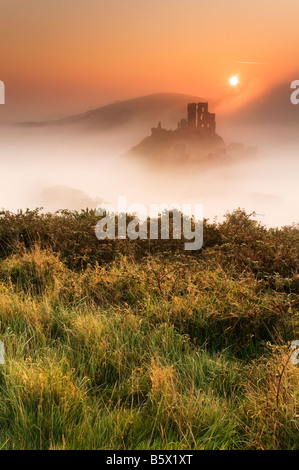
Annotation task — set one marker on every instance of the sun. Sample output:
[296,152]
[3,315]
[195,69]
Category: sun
[234,80]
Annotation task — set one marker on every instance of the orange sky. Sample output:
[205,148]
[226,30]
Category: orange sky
[66,56]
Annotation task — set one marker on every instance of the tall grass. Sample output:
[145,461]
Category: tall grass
[149,350]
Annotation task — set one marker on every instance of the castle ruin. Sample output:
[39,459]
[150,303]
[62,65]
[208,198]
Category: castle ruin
[194,140]
[199,121]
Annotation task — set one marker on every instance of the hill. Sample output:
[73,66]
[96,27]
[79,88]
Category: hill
[272,108]
[142,112]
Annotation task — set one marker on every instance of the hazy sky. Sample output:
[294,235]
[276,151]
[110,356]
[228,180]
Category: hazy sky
[69,55]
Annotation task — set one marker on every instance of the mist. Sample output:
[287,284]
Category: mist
[62,169]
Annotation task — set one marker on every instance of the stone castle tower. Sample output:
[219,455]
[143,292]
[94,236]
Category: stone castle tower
[199,122]
[200,119]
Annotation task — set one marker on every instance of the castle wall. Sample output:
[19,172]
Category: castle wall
[191,115]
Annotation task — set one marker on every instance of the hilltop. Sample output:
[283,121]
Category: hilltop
[194,141]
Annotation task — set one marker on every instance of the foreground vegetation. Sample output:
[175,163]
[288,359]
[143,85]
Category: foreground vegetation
[138,345]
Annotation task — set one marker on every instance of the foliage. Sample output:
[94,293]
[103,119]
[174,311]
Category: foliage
[138,345]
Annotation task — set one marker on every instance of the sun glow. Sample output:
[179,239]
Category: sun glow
[234,80]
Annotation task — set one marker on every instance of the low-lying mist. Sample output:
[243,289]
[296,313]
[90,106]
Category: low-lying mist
[62,169]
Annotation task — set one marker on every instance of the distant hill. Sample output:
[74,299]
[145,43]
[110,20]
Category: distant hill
[272,108]
[140,113]
[180,145]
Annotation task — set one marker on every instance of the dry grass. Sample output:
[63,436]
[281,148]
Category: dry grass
[165,351]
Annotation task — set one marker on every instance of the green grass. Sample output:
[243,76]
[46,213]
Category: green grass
[152,349]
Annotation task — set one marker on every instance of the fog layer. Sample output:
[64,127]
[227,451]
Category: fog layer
[58,169]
